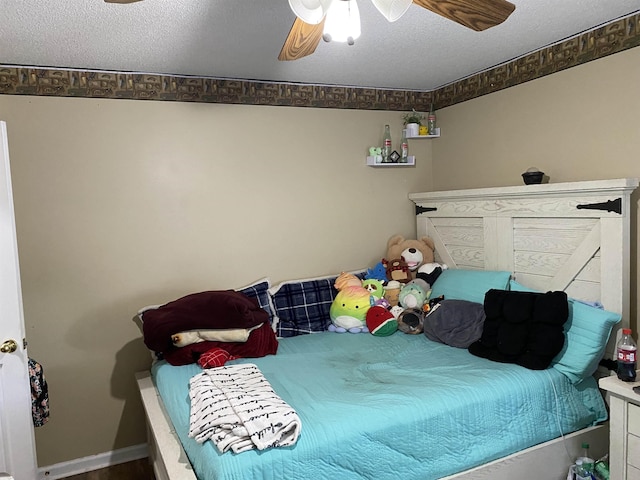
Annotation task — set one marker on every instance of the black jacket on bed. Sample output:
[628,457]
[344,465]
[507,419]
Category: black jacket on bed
[525,328]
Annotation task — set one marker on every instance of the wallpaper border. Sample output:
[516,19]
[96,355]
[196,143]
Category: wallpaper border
[614,37]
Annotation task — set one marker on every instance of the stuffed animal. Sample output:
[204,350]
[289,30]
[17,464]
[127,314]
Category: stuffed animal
[375,287]
[413,252]
[429,272]
[189,337]
[376,153]
[414,294]
[392,292]
[411,321]
[378,272]
[381,322]
[382,302]
[433,303]
[413,257]
[396,311]
[347,280]
[348,310]
[397,269]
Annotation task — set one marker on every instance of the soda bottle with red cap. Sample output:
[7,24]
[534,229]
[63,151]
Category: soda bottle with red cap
[627,354]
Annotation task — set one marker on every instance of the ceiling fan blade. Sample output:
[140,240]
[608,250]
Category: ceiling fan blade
[302,40]
[477,15]
[121,1]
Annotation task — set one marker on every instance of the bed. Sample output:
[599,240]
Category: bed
[403,406]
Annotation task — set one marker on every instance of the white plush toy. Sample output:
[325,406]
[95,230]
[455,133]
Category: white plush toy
[182,339]
[429,272]
[414,294]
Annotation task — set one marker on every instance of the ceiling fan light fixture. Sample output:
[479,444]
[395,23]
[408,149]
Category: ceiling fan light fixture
[392,10]
[342,23]
[310,11]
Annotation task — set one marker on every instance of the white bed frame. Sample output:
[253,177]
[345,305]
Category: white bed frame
[566,236]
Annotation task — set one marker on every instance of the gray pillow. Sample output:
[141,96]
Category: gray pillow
[457,323]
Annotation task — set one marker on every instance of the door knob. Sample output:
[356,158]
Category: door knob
[9,346]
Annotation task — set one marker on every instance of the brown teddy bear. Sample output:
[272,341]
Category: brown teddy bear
[413,252]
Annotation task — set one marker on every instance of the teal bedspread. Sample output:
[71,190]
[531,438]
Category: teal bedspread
[390,407]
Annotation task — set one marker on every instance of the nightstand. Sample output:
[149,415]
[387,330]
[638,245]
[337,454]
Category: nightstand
[624,428]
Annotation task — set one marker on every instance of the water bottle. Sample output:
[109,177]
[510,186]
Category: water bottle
[386,145]
[602,468]
[627,350]
[584,464]
[404,156]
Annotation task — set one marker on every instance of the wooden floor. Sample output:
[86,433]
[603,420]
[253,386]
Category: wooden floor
[137,470]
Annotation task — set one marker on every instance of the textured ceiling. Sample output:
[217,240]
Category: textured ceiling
[241,39]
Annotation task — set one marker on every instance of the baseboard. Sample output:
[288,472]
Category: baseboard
[93,462]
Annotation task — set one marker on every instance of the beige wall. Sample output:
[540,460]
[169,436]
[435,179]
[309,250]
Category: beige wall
[121,204]
[579,124]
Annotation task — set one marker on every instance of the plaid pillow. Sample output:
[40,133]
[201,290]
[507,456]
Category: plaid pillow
[302,306]
[260,291]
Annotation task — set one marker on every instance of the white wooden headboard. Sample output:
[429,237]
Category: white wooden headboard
[564,236]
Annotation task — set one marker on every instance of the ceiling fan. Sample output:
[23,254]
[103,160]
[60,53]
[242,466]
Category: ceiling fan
[315,18]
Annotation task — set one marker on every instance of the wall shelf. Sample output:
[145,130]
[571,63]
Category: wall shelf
[411,159]
[420,137]
[411,162]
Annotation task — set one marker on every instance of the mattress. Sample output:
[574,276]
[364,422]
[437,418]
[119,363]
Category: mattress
[391,407]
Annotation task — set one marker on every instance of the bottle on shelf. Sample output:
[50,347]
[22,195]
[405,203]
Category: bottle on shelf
[404,145]
[585,465]
[627,350]
[431,120]
[386,145]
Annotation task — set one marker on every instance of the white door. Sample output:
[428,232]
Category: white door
[17,445]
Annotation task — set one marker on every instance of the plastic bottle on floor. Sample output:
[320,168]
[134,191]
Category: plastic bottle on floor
[602,468]
[585,464]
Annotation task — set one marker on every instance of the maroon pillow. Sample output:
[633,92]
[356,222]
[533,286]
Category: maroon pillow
[205,310]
